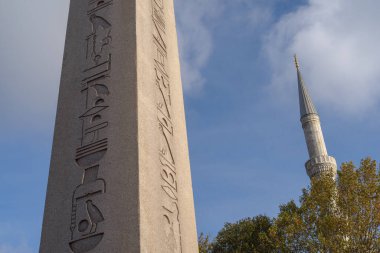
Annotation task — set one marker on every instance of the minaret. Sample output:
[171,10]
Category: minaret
[320,162]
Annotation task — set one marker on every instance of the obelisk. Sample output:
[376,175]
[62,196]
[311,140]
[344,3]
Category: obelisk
[120,178]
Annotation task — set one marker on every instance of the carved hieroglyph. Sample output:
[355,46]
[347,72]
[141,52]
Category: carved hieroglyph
[87,220]
[169,184]
[120,178]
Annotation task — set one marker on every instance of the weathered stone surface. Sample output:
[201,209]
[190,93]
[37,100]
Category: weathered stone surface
[120,176]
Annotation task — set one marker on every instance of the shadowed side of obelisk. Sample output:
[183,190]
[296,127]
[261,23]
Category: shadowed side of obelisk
[92,202]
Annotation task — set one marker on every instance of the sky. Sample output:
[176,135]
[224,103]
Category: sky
[246,143]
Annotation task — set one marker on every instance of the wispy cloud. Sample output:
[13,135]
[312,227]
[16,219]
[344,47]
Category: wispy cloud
[195,39]
[337,42]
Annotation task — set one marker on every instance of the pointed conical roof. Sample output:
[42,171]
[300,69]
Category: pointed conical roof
[306,104]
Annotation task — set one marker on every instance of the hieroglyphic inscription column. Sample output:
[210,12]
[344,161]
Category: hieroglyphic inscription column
[169,181]
[120,176]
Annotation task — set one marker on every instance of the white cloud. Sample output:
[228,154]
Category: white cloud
[195,39]
[337,43]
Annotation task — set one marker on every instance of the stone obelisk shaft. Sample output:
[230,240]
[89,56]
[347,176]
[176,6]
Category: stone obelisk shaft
[120,176]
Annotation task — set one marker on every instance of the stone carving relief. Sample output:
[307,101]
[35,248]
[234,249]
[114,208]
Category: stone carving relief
[169,186]
[87,217]
[98,42]
[100,39]
[172,227]
[94,118]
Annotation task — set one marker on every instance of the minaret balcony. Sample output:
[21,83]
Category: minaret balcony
[320,165]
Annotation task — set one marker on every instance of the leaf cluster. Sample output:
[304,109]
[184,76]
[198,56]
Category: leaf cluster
[246,235]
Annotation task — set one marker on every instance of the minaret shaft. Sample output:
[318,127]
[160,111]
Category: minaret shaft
[313,135]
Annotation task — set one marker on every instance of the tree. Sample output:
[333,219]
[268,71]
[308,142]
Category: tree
[341,215]
[247,235]
[288,231]
[359,203]
[204,243]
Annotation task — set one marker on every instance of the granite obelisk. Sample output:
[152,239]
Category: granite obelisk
[120,177]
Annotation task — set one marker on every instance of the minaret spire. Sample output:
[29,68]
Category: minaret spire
[320,162]
[306,104]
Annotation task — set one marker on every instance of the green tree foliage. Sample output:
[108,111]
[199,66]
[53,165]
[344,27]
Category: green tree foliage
[204,243]
[359,204]
[339,215]
[289,231]
[247,235]
[315,225]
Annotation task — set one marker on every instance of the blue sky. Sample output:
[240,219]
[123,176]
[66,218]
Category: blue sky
[246,143]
